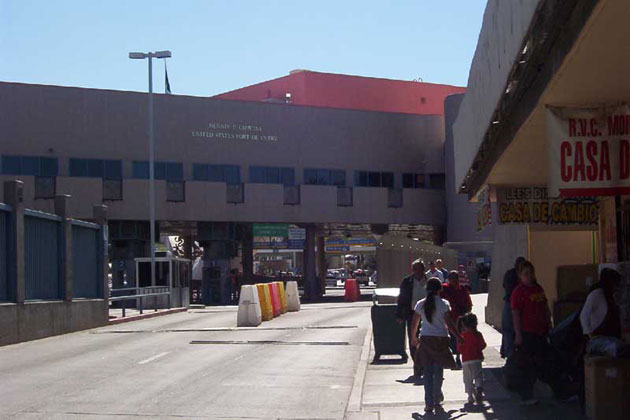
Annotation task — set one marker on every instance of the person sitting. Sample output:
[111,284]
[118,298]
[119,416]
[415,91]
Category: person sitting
[600,314]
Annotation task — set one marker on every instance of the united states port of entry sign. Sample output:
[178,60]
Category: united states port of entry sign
[589,151]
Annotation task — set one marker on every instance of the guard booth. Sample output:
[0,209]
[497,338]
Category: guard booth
[170,271]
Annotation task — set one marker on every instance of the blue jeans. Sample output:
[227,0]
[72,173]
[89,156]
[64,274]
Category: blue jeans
[433,377]
[507,331]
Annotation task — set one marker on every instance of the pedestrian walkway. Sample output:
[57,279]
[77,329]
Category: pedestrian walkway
[388,390]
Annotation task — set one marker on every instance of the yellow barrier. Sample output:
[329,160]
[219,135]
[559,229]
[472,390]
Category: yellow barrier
[283,297]
[265,302]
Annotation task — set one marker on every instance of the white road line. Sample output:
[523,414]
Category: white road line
[150,359]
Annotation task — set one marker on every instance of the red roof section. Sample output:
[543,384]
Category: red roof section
[349,92]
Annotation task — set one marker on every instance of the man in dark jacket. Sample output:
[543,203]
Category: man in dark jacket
[412,289]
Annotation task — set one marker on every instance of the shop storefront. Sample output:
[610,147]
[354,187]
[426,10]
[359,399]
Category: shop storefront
[545,126]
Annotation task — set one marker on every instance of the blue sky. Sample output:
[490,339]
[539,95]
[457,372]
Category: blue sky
[223,45]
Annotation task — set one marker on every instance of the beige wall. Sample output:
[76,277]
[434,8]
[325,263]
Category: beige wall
[510,242]
[551,249]
[545,249]
[205,201]
[395,254]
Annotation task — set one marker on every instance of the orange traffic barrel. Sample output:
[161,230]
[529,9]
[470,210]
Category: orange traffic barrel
[276,306]
[352,292]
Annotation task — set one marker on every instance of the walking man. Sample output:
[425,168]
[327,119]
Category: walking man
[434,272]
[412,289]
[439,264]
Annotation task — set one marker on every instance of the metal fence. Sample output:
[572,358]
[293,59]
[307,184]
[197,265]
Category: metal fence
[42,255]
[139,294]
[4,252]
[86,266]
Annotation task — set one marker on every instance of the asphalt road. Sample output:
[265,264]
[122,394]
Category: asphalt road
[191,365]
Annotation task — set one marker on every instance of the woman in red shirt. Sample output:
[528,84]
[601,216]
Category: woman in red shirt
[532,321]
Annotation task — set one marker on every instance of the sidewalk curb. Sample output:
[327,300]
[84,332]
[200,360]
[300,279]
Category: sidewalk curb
[145,316]
[356,395]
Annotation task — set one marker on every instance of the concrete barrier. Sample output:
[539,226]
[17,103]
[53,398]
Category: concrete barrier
[293,297]
[249,309]
[283,297]
[265,302]
[275,299]
[352,292]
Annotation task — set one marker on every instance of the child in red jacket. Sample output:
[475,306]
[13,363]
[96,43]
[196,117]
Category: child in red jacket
[472,355]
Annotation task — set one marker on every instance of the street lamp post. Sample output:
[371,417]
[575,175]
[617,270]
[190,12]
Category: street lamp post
[150,56]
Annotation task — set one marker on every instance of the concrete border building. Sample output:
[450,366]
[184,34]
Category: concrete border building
[373,165]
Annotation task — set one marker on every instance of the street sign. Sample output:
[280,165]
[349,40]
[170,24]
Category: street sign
[297,238]
[271,229]
[297,234]
[337,248]
[351,241]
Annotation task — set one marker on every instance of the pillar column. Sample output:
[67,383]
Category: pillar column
[100,217]
[188,254]
[311,285]
[321,263]
[61,210]
[247,254]
[439,235]
[14,197]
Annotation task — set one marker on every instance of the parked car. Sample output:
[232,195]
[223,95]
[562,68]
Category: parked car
[331,280]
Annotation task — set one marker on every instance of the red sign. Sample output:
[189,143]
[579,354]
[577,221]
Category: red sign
[589,151]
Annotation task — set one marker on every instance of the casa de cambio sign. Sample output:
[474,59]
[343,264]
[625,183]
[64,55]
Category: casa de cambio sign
[235,132]
[589,151]
[532,205]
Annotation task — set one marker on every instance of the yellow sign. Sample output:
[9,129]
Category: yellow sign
[532,206]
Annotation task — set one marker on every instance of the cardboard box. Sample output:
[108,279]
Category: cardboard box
[607,388]
[574,281]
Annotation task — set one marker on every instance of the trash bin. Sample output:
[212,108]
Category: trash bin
[389,335]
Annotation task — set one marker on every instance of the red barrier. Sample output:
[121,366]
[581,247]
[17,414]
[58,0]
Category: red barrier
[276,304]
[352,292]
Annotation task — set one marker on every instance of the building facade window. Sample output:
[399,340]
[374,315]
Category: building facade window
[230,174]
[271,175]
[411,180]
[373,179]
[169,171]
[325,177]
[96,168]
[175,191]
[30,165]
[45,186]
[44,169]
[437,181]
